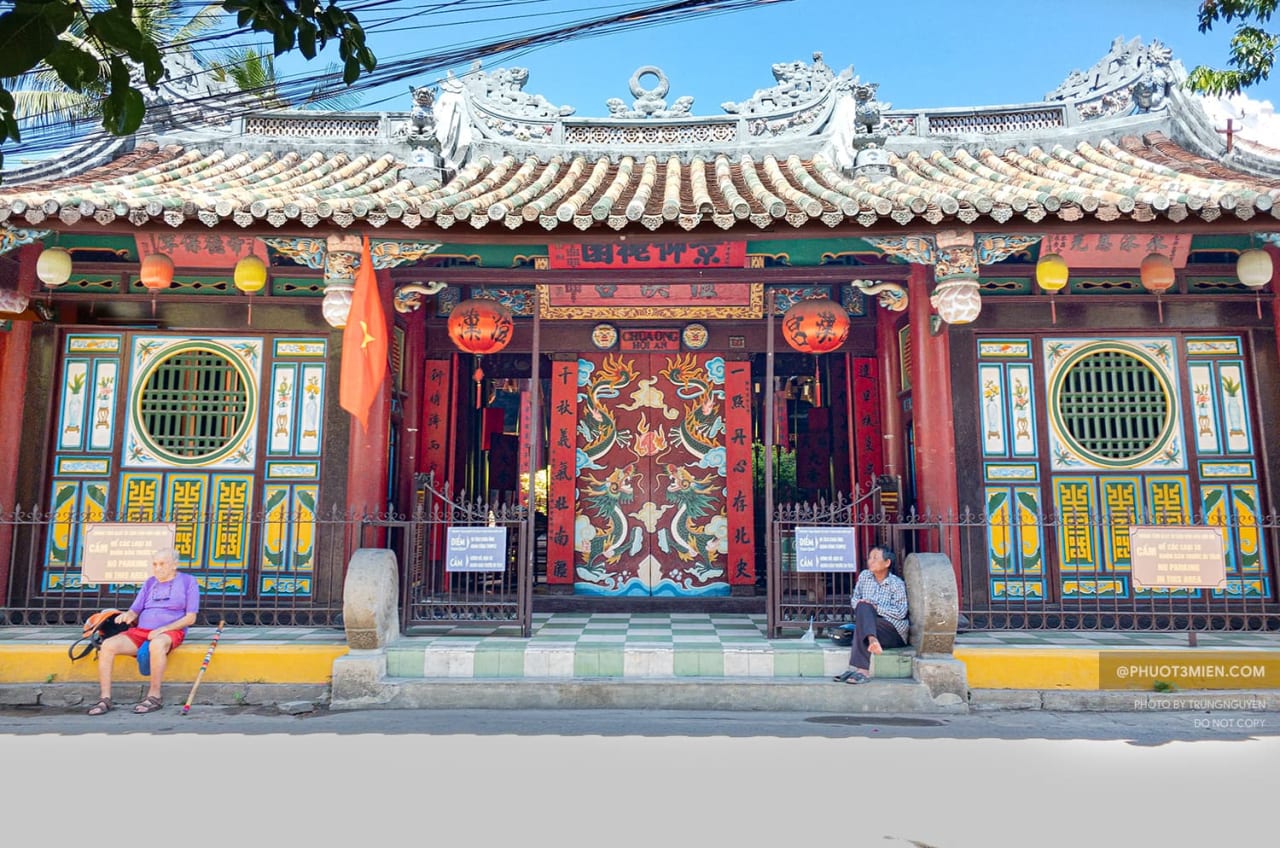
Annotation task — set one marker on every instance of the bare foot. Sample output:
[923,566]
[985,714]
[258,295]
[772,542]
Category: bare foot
[873,645]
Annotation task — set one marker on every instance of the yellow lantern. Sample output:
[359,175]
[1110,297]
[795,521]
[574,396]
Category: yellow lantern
[251,274]
[1052,272]
[53,266]
[1254,268]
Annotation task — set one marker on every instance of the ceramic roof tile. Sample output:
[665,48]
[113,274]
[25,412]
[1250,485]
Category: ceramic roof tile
[1141,179]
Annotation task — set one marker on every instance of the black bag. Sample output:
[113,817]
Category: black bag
[842,635]
[99,627]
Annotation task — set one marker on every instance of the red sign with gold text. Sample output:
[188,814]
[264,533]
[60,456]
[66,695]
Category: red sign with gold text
[657,295]
[660,254]
[1116,251]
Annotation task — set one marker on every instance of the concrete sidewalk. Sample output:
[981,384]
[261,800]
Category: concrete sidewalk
[684,661]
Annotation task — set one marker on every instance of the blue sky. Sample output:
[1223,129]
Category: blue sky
[924,53]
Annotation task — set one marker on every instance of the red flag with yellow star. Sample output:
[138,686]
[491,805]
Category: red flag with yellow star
[364,344]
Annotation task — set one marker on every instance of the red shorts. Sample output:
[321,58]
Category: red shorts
[138,636]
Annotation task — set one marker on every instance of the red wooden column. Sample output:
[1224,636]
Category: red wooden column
[15,351]
[742,546]
[934,424]
[368,451]
[1275,288]
[433,445]
[411,367]
[562,446]
[890,384]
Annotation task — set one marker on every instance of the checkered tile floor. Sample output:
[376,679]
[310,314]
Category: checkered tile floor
[691,629]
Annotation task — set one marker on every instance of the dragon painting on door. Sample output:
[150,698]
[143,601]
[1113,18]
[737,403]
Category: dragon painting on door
[651,476]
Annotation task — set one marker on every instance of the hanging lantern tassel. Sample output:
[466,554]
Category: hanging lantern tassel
[156,272]
[1158,276]
[1052,275]
[250,276]
[817,382]
[1254,269]
[478,375]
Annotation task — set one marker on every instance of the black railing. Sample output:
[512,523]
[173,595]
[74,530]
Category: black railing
[1045,572]
[1074,572]
[276,569]
[436,598]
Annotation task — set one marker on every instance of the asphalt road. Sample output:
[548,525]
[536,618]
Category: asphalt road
[621,778]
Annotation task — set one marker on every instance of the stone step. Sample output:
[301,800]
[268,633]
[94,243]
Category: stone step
[511,658]
[691,693]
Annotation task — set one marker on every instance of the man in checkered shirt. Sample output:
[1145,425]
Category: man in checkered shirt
[879,614]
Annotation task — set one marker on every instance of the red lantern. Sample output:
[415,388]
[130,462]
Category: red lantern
[480,326]
[1157,276]
[156,271]
[816,326]
[1157,273]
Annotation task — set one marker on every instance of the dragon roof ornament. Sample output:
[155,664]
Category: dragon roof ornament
[799,84]
[1132,78]
[502,90]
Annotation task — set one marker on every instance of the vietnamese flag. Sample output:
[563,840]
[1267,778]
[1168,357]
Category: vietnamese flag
[364,344]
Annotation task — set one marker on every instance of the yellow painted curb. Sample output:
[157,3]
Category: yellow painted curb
[1022,668]
[230,664]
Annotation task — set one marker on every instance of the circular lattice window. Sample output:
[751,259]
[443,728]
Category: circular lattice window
[194,405]
[1113,406]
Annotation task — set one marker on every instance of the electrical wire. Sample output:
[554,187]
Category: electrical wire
[53,134]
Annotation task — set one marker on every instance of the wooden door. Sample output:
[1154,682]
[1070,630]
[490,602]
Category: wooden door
[650,516]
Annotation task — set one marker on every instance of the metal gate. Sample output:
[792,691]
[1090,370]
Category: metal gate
[798,599]
[439,600]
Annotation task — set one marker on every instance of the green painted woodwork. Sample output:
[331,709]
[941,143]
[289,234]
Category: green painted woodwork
[96,248]
[996,286]
[193,404]
[1113,405]
[809,252]
[297,287]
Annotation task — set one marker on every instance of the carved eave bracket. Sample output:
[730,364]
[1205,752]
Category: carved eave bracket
[408,297]
[11,237]
[339,256]
[890,296]
[955,256]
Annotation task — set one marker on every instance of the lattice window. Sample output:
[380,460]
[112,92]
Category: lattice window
[1113,406]
[193,404]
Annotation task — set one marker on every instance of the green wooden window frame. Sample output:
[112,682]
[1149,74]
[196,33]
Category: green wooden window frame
[1113,405]
[194,404]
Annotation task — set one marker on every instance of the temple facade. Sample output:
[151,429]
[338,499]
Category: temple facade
[1060,326]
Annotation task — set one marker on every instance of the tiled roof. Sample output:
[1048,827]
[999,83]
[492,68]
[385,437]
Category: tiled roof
[1139,179]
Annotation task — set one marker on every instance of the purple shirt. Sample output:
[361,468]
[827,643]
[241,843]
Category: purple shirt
[159,603]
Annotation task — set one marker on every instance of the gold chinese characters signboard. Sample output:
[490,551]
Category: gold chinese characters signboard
[656,300]
[1165,557]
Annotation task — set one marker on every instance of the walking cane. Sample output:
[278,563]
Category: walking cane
[204,665]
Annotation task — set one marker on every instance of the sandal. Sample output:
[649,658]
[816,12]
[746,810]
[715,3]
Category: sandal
[843,676]
[148,704]
[857,677]
[103,706]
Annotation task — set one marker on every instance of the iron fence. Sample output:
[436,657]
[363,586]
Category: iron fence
[797,600]
[1074,572]
[440,596]
[275,568]
[1042,572]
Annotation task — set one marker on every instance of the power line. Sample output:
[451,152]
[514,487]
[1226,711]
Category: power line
[52,135]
